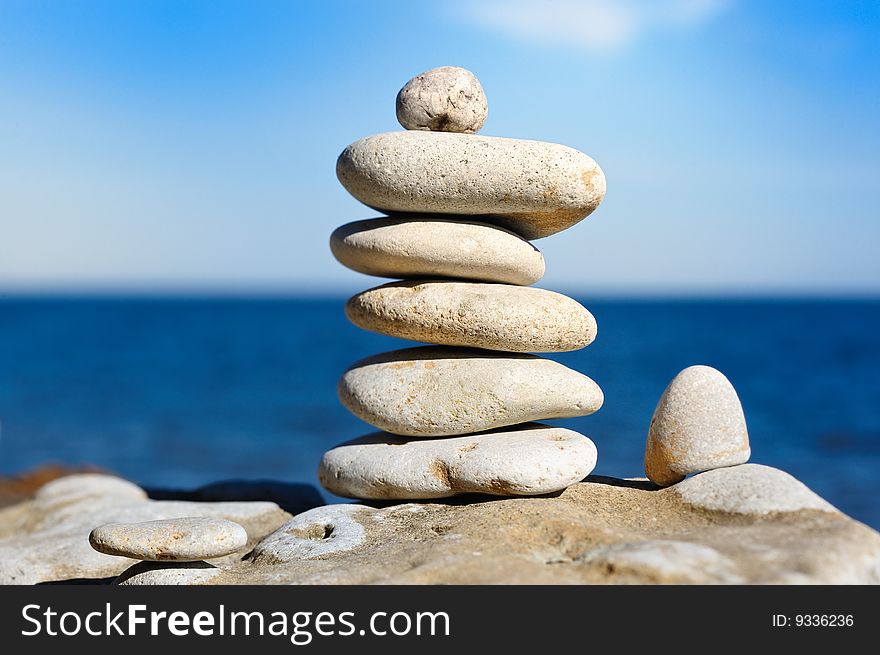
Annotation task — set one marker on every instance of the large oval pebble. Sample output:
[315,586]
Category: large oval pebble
[439,391]
[475,315]
[531,460]
[531,187]
[698,425]
[176,540]
[419,247]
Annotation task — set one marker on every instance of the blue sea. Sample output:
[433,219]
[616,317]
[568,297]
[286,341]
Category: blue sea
[182,392]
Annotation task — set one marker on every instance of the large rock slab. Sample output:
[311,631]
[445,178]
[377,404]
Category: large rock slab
[47,538]
[475,315]
[441,391]
[698,425]
[531,187]
[530,460]
[187,539]
[600,531]
[410,247]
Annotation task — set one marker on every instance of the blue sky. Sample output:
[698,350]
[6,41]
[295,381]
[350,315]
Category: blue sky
[191,145]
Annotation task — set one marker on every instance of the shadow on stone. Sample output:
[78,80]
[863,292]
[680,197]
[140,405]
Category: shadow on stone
[291,497]
[644,485]
[168,573]
[79,582]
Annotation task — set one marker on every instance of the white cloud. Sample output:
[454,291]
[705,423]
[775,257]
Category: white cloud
[595,25]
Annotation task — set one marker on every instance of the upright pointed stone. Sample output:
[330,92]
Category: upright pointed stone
[698,425]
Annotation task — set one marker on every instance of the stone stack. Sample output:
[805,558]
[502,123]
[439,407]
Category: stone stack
[456,417]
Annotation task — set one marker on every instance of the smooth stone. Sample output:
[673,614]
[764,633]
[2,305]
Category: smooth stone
[145,574]
[474,315]
[531,460]
[186,539]
[531,187]
[445,99]
[316,533]
[418,247]
[85,485]
[749,489]
[698,425]
[441,391]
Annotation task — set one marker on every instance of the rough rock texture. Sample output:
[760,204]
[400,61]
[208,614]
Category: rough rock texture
[603,530]
[445,99]
[409,247]
[47,537]
[313,534]
[187,539]
[472,314]
[698,425]
[527,460]
[533,188]
[442,391]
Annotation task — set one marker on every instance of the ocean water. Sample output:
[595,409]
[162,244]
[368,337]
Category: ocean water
[182,392]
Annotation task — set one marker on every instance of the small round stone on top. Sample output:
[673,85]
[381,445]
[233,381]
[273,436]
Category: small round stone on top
[445,99]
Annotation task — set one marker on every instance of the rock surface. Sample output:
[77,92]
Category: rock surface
[698,425]
[167,573]
[445,99]
[603,530]
[530,460]
[412,247]
[47,538]
[471,314]
[187,539]
[443,391]
[749,489]
[533,188]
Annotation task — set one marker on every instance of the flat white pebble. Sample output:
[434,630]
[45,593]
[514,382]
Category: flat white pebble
[407,247]
[441,391]
[476,315]
[530,460]
[180,540]
[531,187]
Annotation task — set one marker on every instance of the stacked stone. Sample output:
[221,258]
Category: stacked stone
[456,417]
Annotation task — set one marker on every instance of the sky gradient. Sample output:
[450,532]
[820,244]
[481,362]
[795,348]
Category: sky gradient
[191,146]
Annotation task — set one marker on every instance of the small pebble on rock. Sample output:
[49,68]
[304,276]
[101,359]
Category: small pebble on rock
[175,540]
[445,99]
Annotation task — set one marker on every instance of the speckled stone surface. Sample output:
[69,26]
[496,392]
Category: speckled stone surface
[444,99]
[475,315]
[531,187]
[530,460]
[442,391]
[408,247]
[698,425]
[186,539]
[317,533]
[749,489]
